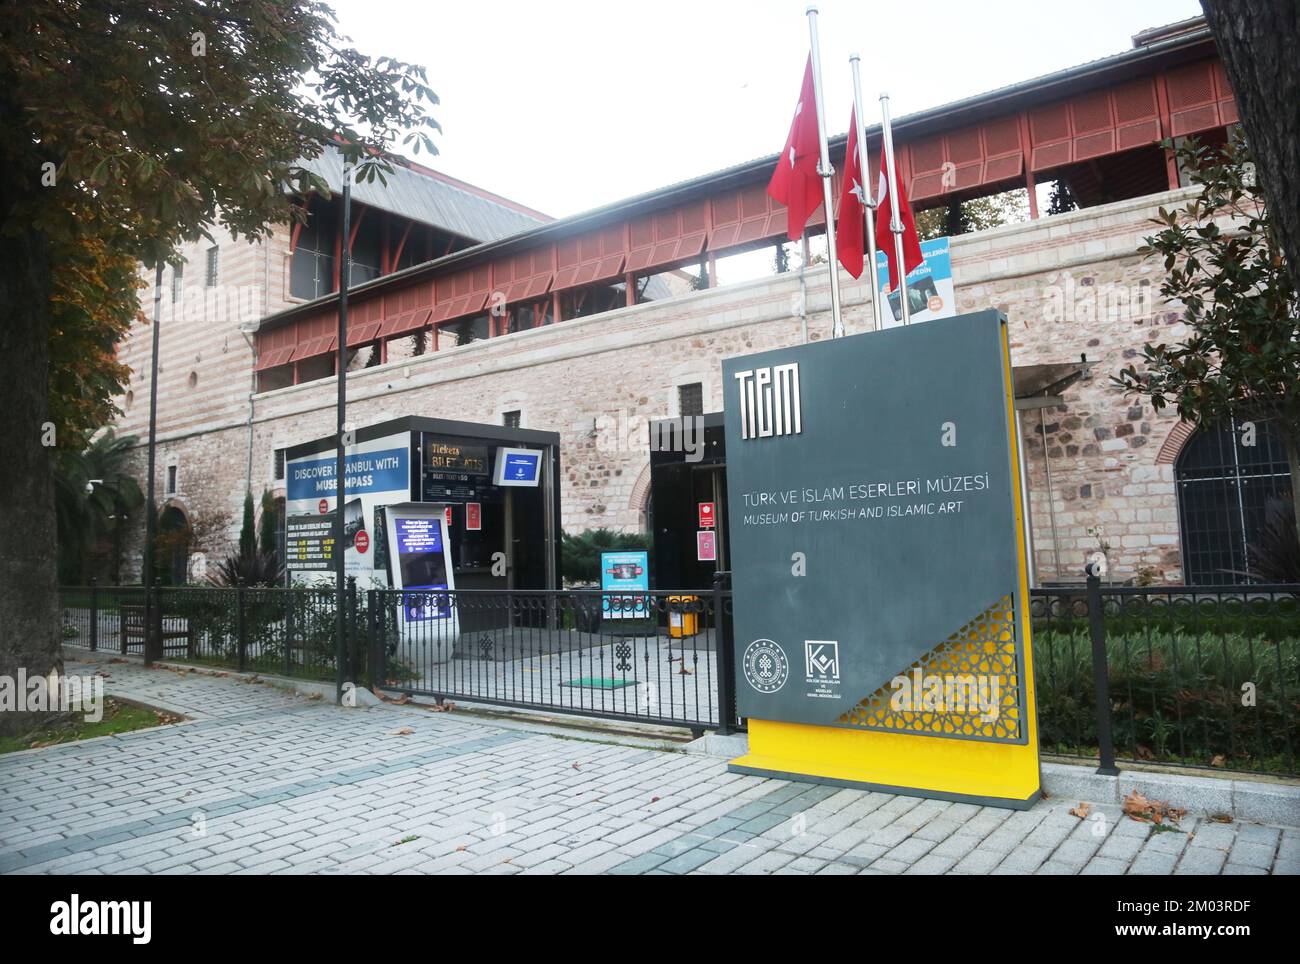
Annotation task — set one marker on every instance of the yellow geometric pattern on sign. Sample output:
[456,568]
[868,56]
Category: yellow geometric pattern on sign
[983,648]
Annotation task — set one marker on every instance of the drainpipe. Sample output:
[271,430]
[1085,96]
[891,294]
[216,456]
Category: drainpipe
[1051,495]
[247,330]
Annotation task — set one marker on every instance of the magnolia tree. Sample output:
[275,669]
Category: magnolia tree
[1224,264]
[131,127]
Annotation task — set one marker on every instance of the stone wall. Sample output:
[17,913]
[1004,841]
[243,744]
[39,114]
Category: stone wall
[1070,285]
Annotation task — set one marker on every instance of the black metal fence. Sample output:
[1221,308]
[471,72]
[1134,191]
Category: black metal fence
[653,656]
[1194,676]
[1204,677]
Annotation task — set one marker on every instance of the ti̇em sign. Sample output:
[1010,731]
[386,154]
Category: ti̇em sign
[874,533]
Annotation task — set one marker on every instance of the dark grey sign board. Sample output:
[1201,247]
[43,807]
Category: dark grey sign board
[875,542]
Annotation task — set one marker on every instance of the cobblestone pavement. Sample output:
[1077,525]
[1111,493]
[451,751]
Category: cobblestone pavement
[264,781]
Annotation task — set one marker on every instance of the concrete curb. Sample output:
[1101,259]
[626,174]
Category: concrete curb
[1249,800]
[302,686]
[1255,801]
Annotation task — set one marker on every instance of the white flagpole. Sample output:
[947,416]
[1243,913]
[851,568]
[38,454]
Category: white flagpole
[826,172]
[868,196]
[895,220]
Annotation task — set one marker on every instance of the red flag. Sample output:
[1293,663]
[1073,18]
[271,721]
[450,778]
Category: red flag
[849,243]
[885,237]
[795,182]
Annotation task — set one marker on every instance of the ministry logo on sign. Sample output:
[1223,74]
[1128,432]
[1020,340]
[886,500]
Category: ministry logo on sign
[822,660]
[765,665]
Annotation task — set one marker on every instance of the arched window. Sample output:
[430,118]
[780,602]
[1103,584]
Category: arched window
[1226,477]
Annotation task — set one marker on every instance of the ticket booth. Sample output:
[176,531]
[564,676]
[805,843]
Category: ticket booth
[497,486]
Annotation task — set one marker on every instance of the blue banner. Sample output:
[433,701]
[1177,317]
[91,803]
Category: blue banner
[366,472]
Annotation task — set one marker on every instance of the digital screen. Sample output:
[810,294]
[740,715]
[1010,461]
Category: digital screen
[518,466]
[423,567]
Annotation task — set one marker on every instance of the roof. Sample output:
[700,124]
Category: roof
[431,198]
[1183,46]
[439,426]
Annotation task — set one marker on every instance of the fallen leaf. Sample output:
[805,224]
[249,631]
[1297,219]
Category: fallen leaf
[1140,808]
[1219,760]
[575,766]
[1137,806]
[461,848]
[402,731]
[1081,811]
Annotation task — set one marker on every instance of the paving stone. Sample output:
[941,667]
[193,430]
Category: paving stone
[290,786]
[930,864]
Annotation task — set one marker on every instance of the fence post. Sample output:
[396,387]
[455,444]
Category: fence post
[725,653]
[350,627]
[290,629]
[375,669]
[1100,678]
[94,614]
[240,630]
[153,633]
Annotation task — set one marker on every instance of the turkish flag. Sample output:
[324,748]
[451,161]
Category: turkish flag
[850,244]
[885,237]
[795,182]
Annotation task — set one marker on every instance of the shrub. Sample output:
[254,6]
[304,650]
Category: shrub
[580,554]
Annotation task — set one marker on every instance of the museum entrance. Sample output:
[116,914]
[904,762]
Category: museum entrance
[688,474]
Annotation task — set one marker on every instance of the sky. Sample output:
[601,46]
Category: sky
[566,105]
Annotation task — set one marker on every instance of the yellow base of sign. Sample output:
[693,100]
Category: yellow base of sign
[994,774]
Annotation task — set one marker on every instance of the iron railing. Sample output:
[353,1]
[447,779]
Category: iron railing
[651,656]
[1194,676]
[1202,677]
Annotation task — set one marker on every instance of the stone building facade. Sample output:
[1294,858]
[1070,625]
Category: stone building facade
[1071,285]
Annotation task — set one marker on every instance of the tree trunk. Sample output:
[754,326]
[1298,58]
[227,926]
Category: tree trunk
[1292,445]
[29,622]
[1258,40]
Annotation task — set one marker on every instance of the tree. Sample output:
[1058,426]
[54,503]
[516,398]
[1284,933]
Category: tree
[92,305]
[975,214]
[1062,199]
[247,531]
[1223,262]
[780,258]
[267,525]
[94,492]
[1257,40]
[139,125]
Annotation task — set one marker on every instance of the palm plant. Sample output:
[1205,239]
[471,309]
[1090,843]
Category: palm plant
[94,494]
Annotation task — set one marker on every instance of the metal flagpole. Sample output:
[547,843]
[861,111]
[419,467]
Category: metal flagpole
[826,172]
[868,197]
[895,219]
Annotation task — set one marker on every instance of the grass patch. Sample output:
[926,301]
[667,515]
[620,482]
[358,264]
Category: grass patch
[119,716]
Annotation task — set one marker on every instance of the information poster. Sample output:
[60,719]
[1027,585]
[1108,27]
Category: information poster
[930,291]
[423,566]
[621,573]
[378,472]
[420,561]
